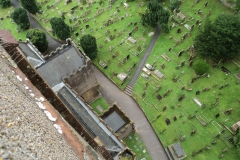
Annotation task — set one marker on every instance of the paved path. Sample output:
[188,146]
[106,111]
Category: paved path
[52,43]
[113,94]
[145,57]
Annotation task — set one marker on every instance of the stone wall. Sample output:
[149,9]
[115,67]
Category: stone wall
[48,93]
[83,79]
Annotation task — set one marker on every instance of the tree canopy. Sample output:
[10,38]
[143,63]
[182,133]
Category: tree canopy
[5,3]
[238,5]
[220,39]
[60,28]
[20,17]
[38,38]
[89,45]
[200,67]
[30,6]
[155,14]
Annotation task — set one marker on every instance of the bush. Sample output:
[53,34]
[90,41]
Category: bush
[60,28]
[38,38]
[200,67]
[89,45]
[20,17]
[5,3]
[174,4]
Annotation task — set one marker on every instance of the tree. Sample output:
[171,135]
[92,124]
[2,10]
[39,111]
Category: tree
[60,28]
[220,38]
[89,45]
[30,6]
[200,67]
[20,17]
[174,4]
[38,38]
[155,14]
[5,3]
[237,142]
[238,5]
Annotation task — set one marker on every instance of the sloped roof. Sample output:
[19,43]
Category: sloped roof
[7,37]
[61,65]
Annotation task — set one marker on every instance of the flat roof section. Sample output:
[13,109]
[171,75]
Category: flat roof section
[114,121]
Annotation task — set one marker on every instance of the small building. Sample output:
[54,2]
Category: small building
[176,152]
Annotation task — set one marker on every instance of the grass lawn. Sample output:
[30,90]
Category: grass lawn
[187,114]
[120,29]
[100,105]
[7,24]
[134,142]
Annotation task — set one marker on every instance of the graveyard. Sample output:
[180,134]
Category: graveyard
[118,55]
[196,111]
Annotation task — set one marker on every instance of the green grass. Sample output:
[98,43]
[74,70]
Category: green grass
[152,107]
[183,126]
[7,24]
[116,64]
[100,102]
[134,142]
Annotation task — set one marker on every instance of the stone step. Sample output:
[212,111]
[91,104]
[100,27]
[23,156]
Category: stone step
[128,93]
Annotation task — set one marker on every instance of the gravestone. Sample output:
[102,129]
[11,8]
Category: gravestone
[163,66]
[144,33]
[217,115]
[164,108]
[159,97]
[179,30]
[167,121]
[190,63]
[182,63]
[205,4]
[139,48]
[175,118]
[198,92]
[193,132]
[87,26]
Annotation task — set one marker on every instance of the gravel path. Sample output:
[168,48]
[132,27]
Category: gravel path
[25,131]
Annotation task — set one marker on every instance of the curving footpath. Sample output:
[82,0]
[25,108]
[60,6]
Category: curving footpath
[113,94]
[52,43]
[145,56]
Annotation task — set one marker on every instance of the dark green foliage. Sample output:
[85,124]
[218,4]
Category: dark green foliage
[220,39]
[200,67]
[89,45]
[155,14]
[38,38]
[174,4]
[20,17]
[237,142]
[30,6]
[237,5]
[5,3]
[60,28]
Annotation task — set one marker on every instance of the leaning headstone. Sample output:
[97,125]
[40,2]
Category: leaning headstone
[190,63]
[198,92]
[182,63]
[164,108]
[139,48]
[163,66]
[174,118]
[167,121]
[205,4]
